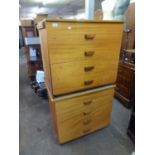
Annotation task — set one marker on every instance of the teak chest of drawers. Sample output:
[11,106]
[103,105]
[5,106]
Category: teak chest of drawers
[80,59]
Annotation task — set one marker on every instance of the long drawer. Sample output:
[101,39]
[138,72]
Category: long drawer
[81,115]
[70,35]
[74,76]
[61,55]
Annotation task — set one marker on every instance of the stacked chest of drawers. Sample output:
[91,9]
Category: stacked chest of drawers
[80,60]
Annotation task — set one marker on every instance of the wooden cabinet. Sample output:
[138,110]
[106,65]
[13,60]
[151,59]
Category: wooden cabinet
[80,60]
[125,84]
[80,55]
[125,90]
[82,113]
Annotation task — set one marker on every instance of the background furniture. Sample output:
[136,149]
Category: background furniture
[34,63]
[28,29]
[30,34]
[80,60]
[125,84]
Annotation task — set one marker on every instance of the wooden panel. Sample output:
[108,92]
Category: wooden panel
[125,84]
[106,53]
[126,81]
[125,70]
[45,57]
[73,76]
[74,118]
[53,113]
[72,35]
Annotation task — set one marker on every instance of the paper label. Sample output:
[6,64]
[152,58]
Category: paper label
[55,24]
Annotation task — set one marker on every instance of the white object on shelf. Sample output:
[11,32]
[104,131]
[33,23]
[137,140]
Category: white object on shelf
[32,52]
[32,40]
[40,76]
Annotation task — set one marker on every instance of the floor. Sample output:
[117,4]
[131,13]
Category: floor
[37,134]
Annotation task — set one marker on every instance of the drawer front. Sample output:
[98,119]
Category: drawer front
[74,76]
[81,115]
[124,71]
[83,53]
[72,35]
[124,81]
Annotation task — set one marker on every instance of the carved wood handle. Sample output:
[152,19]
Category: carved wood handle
[89,53]
[88,82]
[89,36]
[89,68]
[87,102]
[86,113]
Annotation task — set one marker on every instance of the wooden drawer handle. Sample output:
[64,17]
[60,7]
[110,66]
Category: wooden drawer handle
[87,122]
[89,68]
[89,53]
[89,36]
[86,131]
[88,82]
[86,113]
[87,102]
